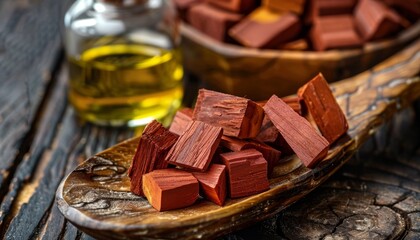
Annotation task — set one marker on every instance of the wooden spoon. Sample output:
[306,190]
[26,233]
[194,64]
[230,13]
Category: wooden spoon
[96,195]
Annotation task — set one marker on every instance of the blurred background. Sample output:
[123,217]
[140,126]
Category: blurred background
[42,138]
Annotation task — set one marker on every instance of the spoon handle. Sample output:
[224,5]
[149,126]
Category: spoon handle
[372,97]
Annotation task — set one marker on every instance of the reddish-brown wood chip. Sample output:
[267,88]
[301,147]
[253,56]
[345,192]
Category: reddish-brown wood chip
[266,29]
[154,144]
[247,171]
[195,148]
[269,133]
[212,21]
[270,154]
[181,120]
[335,31]
[239,117]
[324,109]
[375,20]
[213,183]
[308,145]
[169,189]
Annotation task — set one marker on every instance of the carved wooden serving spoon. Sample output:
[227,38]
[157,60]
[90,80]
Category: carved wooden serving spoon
[96,195]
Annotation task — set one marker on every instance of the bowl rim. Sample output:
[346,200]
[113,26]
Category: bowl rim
[231,50]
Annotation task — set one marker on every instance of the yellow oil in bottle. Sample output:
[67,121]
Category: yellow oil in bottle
[126,84]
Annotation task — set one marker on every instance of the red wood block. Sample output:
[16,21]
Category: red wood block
[293,102]
[239,117]
[195,148]
[321,103]
[308,145]
[247,171]
[169,189]
[154,144]
[269,133]
[234,144]
[212,21]
[337,31]
[295,6]
[239,6]
[213,183]
[181,120]
[375,20]
[270,154]
[266,29]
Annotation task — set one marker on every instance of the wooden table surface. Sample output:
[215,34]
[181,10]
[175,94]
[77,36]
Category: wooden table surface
[375,196]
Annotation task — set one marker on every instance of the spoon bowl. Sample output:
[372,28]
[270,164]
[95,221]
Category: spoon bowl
[96,196]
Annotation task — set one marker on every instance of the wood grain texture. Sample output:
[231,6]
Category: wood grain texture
[247,173]
[60,144]
[95,200]
[233,69]
[171,188]
[324,109]
[310,146]
[29,53]
[155,143]
[239,117]
[181,120]
[271,155]
[21,92]
[195,148]
[394,149]
[213,183]
[371,197]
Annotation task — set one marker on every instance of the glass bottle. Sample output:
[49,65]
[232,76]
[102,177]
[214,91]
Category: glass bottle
[124,61]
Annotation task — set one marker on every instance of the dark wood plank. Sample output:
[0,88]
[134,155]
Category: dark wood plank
[43,139]
[29,50]
[71,143]
[32,213]
[56,227]
[71,232]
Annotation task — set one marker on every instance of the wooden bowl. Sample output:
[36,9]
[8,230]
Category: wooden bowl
[257,74]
